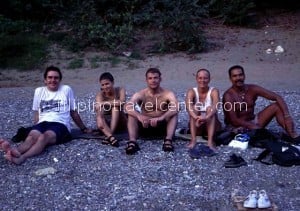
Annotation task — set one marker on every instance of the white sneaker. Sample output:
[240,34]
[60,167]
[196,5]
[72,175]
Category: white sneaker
[240,141]
[263,200]
[251,200]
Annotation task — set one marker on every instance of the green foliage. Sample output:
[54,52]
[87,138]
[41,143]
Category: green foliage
[114,25]
[11,27]
[183,21]
[76,63]
[233,12]
[22,51]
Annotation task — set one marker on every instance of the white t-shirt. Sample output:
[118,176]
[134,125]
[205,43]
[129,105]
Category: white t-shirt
[54,106]
[207,102]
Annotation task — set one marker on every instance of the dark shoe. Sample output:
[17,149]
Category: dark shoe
[232,160]
[235,162]
[168,146]
[288,138]
[111,140]
[132,147]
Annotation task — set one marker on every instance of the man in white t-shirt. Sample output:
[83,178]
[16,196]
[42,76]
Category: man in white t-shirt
[53,105]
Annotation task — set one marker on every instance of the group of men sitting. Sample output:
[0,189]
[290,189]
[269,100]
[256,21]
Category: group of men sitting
[153,110]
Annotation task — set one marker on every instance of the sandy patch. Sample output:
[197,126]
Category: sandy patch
[247,47]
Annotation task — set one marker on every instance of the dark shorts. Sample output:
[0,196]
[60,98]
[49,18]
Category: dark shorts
[62,133]
[152,132]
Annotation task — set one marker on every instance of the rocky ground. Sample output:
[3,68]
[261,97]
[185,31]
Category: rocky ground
[85,175]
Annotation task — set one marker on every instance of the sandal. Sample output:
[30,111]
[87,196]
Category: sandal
[111,141]
[168,146]
[132,147]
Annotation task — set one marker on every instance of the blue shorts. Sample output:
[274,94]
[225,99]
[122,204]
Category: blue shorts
[62,133]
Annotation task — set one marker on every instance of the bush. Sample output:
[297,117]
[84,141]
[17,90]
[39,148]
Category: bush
[22,51]
[233,12]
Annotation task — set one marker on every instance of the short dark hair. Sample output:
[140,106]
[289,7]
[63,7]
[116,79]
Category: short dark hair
[52,68]
[235,67]
[153,70]
[202,69]
[107,76]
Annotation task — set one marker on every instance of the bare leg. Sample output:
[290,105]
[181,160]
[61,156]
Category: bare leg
[29,141]
[273,110]
[213,125]
[102,125]
[171,127]
[115,115]
[48,138]
[193,129]
[132,125]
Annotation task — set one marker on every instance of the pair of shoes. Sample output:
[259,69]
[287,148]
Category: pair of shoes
[111,140]
[168,146]
[240,141]
[235,162]
[132,147]
[257,200]
[201,150]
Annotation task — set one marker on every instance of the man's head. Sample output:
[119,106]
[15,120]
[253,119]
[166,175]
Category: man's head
[153,78]
[237,75]
[153,70]
[106,82]
[53,68]
[235,67]
[52,78]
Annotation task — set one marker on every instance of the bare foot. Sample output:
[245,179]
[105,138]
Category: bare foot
[212,147]
[1,142]
[9,156]
[5,146]
[191,144]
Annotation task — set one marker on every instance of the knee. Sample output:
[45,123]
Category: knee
[275,106]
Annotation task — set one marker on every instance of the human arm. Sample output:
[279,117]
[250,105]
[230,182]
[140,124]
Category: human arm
[189,103]
[35,117]
[78,121]
[172,109]
[215,103]
[262,92]
[36,105]
[130,108]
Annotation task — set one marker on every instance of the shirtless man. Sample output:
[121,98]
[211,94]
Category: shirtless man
[53,105]
[239,102]
[201,103]
[158,113]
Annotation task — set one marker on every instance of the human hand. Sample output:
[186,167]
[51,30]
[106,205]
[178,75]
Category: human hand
[199,121]
[154,121]
[144,120]
[87,130]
